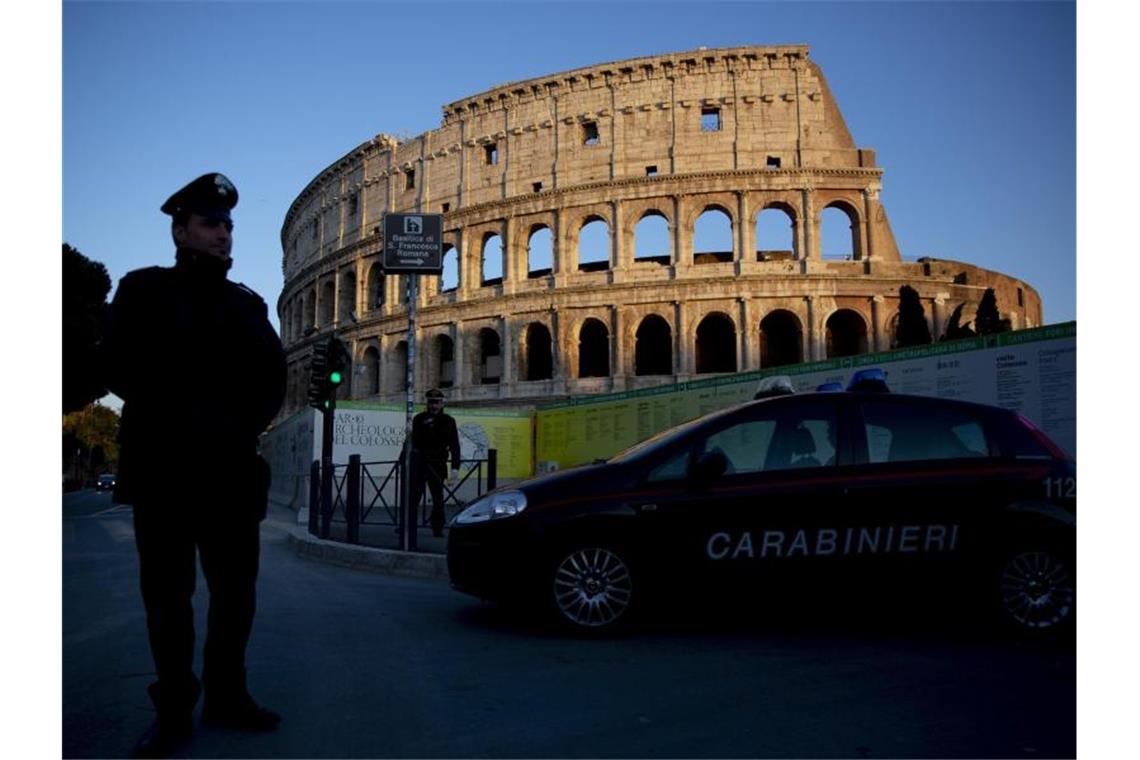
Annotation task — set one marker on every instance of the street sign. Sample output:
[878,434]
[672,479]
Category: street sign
[413,243]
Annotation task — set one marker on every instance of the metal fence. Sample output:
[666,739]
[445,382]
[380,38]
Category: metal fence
[366,507]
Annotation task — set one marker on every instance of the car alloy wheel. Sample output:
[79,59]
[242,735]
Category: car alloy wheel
[593,587]
[1037,590]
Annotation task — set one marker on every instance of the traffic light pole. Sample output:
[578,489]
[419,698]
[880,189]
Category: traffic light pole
[327,416]
[410,519]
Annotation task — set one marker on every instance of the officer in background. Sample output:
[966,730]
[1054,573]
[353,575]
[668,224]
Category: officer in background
[434,436]
[201,372]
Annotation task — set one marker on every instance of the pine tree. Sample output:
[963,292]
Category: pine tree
[912,327]
[954,329]
[85,288]
[988,320]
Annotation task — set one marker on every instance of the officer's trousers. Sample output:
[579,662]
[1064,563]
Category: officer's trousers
[168,535]
[431,472]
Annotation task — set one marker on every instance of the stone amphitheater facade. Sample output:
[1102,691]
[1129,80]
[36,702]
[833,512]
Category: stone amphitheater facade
[669,138]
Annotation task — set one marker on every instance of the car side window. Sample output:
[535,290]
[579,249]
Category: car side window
[790,438]
[675,467]
[906,433]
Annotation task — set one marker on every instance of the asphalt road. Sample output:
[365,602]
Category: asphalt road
[368,665]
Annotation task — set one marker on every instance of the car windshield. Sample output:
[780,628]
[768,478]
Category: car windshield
[665,438]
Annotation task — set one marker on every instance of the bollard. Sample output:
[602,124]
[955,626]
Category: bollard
[492,468]
[352,502]
[314,495]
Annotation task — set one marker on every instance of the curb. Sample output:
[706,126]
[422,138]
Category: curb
[408,564]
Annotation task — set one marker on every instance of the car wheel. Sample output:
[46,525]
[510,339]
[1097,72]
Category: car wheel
[1037,590]
[593,588]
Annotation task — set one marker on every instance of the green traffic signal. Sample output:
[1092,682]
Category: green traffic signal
[335,378]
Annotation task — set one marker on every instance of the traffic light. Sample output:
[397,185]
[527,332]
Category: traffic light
[328,367]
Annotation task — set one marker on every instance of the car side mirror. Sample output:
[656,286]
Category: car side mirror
[710,466]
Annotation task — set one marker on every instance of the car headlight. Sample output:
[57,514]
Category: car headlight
[493,507]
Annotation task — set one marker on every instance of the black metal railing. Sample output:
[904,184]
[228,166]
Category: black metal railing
[366,501]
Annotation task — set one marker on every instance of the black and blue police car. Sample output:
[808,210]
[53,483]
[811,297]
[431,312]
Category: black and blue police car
[793,491]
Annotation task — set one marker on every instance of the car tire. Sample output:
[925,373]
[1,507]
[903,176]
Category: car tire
[592,588]
[1036,590]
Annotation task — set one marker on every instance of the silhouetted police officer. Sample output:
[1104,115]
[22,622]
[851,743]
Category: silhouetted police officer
[201,373]
[434,436]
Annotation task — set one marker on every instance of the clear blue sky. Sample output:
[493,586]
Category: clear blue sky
[970,106]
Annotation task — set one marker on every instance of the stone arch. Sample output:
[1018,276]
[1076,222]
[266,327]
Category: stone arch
[328,302]
[834,242]
[449,277]
[375,287]
[489,368]
[714,235]
[652,238]
[594,244]
[715,349]
[593,348]
[781,339]
[371,363]
[536,356]
[441,361]
[346,304]
[653,346]
[845,334]
[776,232]
[311,307]
[539,251]
[492,259]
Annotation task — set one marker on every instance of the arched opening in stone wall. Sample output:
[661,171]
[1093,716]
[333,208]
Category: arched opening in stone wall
[846,334]
[775,234]
[594,245]
[347,303]
[371,371]
[328,302]
[537,359]
[444,361]
[540,252]
[781,339]
[449,278]
[375,287]
[838,233]
[716,344]
[490,357]
[397,380]
[651,239]
[712,236]
[310,308]
[492,259]
[593,349]
[653,350]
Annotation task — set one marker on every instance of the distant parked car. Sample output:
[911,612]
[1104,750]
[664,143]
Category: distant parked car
[106,482]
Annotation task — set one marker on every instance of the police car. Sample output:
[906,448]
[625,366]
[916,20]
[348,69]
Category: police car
[793,492]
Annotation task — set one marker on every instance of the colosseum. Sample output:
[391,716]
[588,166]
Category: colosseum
[571,205]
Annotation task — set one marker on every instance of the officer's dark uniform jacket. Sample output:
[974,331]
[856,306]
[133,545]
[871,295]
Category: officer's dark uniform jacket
[201,372]
[434,436]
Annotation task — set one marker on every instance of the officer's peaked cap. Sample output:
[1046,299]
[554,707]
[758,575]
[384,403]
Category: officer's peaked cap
[211,195]
[434,393]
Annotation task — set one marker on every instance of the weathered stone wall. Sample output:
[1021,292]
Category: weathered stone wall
[738,130]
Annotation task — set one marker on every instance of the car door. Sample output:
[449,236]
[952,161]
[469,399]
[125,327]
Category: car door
[768,514]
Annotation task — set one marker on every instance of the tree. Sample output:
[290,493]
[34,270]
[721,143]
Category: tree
[85,288]
[955,330]
[988,319]
[912,327]
[90,439]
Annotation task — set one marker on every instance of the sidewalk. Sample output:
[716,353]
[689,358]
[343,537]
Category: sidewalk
[429,562]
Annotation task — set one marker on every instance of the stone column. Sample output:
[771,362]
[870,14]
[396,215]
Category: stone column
[461,381]
[557,368]
[681,355]
[813,350]
[561,252]
[749,337]
[464,264]
[810,226]
[682,253]
[507,378]
[621,258]
[617,350]
[870,207]
[938,316]
[878,329]
[742,236]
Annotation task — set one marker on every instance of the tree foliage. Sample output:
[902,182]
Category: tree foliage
[912,327]
[988,319]
[90,440]
[85,288]
[955,329]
